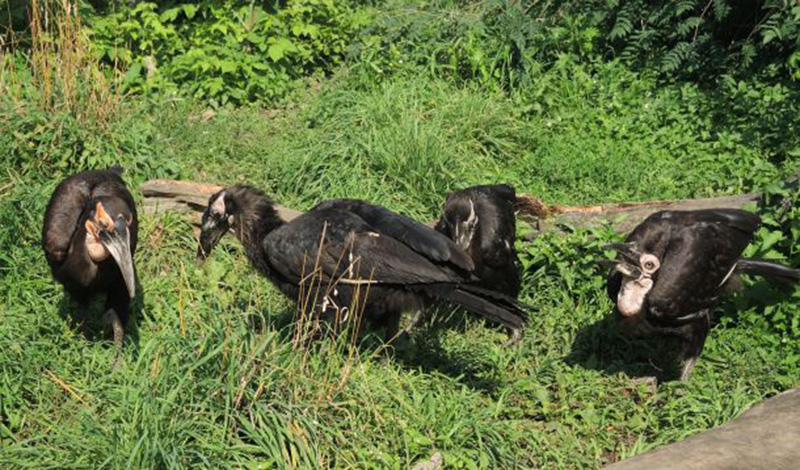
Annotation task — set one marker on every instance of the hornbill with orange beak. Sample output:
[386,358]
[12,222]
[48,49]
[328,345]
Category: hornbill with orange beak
[347,243]
[673,268]
[89,239]
[481,221]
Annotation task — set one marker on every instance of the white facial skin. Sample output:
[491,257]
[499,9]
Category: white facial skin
[635,289]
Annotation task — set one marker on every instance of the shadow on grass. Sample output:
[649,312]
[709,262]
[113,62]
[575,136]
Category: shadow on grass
[424,351]
[601,346]
[88,318]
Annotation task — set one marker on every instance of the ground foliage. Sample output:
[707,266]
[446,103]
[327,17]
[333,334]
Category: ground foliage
[432,96]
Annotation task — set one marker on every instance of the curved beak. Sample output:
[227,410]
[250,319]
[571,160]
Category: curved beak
[627,251]
[463,237]
[118,244]
[209,237]
[628,261]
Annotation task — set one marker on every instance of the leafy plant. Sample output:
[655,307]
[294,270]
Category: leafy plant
[778,239]
[225,51]
[499,43]
[701,39]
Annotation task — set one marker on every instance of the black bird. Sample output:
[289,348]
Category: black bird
[673,268]
[481,221]
[89,239]
[405,264]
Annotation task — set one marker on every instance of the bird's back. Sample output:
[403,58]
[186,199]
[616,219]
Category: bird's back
[492,250]
[71,200]
[698,250]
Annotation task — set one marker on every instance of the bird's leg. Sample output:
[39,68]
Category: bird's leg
[516,336]
[694,344]
[415,319]
[118,306]
[391,325]
[111,317]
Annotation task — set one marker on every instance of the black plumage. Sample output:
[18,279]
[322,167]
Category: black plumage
[673,268]
[481,221]
[89,239]
[405,264]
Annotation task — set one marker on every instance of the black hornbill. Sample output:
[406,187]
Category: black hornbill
[481,221]
[406,264]
[675,265]
[89,239]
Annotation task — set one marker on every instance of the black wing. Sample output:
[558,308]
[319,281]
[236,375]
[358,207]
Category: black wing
[420,238]
[353,251]
[498,227]
[502,191]
[698,251]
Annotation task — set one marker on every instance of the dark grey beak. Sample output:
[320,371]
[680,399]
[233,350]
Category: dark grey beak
[118,244]
[628,262]
[209,237]
[464,236]
[627,251]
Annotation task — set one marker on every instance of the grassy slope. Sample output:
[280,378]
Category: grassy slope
[210,379]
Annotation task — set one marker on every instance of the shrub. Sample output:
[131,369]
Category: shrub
[222,51]
[60,112]
[497,43]
[701,39]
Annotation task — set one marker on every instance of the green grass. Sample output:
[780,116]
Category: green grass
[210,378]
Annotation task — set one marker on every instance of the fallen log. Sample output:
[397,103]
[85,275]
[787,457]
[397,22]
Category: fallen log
[766,437]
[188,197]
[191,198]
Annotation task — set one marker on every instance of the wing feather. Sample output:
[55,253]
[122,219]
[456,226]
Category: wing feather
[420,238]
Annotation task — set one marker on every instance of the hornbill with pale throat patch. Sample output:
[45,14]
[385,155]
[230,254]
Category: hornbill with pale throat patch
[89,239]
[405,264]
[481,221]
[673,268]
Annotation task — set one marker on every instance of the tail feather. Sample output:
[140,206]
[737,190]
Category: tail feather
[492,305]
[767,269]
[117,170]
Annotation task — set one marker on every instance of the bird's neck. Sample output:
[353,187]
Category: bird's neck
[253,224]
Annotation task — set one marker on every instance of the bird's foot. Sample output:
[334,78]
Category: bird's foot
[651,383]
[412,323]
[516,336]
[434,463]
[687,369]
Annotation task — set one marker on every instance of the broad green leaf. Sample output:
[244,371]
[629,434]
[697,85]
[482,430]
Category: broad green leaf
[133,72]
[280,48]
[170,14]
[190,10]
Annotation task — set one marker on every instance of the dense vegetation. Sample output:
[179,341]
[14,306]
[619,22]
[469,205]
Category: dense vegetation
[398,102]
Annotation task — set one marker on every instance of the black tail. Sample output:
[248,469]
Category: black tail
[767,269]
[495,306]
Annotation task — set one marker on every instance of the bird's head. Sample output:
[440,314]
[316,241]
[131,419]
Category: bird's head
[108,233]
[461,221]
[217,221]
[639,271]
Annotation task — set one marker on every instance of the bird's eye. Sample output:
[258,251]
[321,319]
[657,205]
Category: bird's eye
[649,265]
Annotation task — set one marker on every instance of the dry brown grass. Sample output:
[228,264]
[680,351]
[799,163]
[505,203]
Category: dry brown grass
[60,72]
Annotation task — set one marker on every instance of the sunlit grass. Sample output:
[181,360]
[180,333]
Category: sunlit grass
[210,377]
